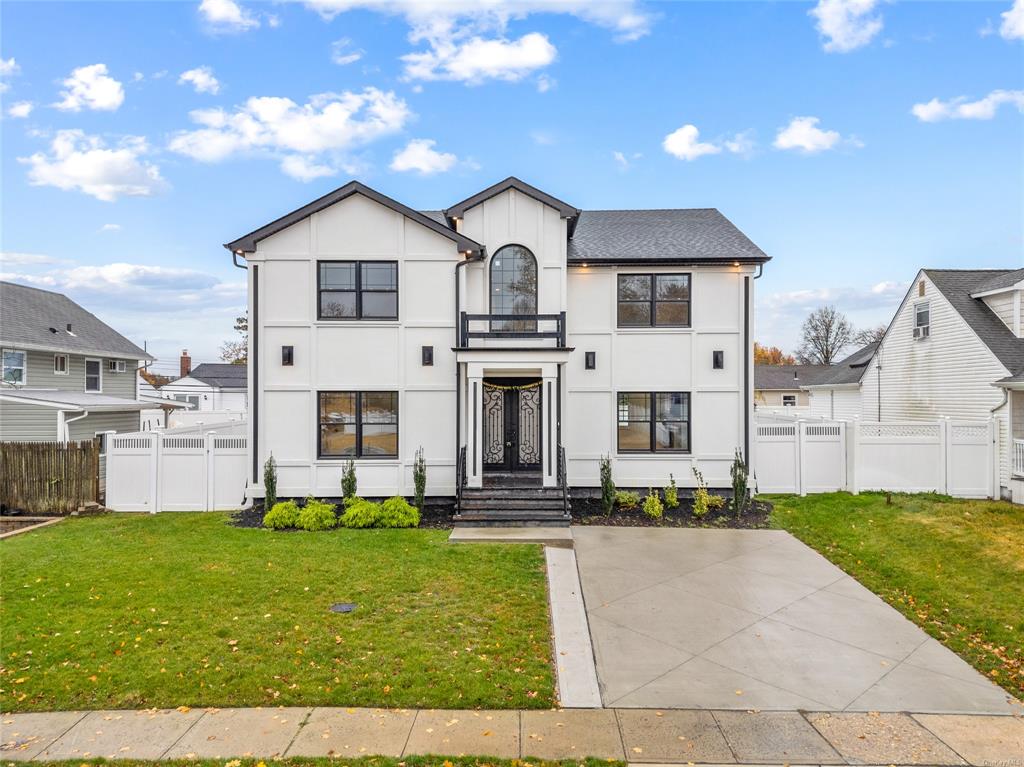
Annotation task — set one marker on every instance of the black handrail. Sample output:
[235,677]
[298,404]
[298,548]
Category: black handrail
[465,334]
[460,479]
[563,480]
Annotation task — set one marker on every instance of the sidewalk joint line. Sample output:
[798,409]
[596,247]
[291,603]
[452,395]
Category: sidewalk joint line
[187,731]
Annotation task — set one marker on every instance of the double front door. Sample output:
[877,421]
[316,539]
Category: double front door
[512,425]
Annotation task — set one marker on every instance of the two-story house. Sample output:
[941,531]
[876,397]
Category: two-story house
[512,336]
[66,375]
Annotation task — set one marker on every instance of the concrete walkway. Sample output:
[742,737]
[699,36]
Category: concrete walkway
[745,619]
[636,735]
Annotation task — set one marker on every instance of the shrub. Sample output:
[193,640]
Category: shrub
[740,492]
[652,505]
[419,478]
[607,485]
[348,480]
[317,515]
[703,501]
[397,512]
[270,483]
[360,512]
[282,515]
[627,499]
[671,493]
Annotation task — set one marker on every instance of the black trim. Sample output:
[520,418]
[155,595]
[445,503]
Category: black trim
[247,243]
[358,290]
[514,348]
[472,428]
[358,454]
[666,261]
[565,209]
[748,395]
[653,422]
[530,331]
[652,300]
[551,434]
[254,342]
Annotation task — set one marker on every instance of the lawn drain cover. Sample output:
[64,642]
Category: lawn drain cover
[343,607]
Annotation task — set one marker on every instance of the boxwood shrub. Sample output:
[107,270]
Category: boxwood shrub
[282,515]
[394,512]
[317,515]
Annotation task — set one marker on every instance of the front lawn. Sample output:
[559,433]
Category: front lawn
[134,611]
[954,567]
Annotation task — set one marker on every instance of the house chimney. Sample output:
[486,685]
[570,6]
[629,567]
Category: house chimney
[186,364]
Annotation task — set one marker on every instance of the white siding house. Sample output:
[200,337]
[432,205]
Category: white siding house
[494,334]
[947,352]
[211,386]
[837,393]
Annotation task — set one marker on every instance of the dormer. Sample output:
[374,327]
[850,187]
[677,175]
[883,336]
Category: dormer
[1003,295]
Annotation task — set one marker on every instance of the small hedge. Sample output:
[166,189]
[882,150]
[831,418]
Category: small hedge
[282,515]
[394,512]
[317,515]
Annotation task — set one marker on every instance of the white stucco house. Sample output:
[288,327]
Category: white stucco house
[955,349]
[512,336]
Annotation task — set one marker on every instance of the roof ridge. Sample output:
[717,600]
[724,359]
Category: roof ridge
[638,210]
[33,287]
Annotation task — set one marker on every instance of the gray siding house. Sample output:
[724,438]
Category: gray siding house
[66,375]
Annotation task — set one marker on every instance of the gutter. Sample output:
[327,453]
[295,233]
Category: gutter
[66,421]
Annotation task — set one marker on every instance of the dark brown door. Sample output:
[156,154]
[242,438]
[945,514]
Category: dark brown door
[512,428]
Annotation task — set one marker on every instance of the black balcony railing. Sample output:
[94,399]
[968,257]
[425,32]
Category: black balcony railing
[520,326]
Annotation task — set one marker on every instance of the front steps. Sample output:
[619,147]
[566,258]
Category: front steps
[516,502]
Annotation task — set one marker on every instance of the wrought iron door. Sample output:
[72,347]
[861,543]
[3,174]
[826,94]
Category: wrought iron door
[512,428]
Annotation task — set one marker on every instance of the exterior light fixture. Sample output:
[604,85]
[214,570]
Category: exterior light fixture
[590,361]
[718,360]
[287,355]
[427,354]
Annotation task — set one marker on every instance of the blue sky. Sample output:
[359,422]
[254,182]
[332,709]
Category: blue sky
[853,140]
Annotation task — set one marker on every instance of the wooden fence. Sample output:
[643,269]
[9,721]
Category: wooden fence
[49,477]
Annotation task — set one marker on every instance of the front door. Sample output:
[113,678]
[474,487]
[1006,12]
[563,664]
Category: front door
[512,418]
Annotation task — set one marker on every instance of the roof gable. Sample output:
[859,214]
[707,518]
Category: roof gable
[247,243]
[564,209]
[38,319]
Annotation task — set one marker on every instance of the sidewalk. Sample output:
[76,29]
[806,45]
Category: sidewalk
[636,735]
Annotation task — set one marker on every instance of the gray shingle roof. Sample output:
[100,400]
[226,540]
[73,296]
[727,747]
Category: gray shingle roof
[957,285]
[787,377]
[27,316]
[685,234]
[226,375]
[1001,280]
[84,400]
[849,370]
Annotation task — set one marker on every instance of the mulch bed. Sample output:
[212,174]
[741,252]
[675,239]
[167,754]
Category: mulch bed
[433,517]
[588,511]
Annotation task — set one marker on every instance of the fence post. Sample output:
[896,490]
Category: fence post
[944,451]
[854,480]
[154,472]
[801,432]
[211,496]
[995,455]
[846,458]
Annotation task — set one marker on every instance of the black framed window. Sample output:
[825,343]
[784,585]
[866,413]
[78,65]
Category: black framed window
[357,290]
[357,424]
[654,300]
[653,422]
[513,288]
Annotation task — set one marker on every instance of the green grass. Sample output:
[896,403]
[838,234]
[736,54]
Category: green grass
[954,567]
[334,761]
[134,611]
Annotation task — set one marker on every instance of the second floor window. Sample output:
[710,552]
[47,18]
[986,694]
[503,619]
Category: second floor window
[60,364]
[357,290]
[922,320]
[654,300]
[513,288]
[93,376]
[14,366]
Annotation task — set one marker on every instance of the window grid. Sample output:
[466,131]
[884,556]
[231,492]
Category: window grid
[93,376]
[60,364]
[357,290]
[369,417]
[15,366]
[653,300]
[652,413]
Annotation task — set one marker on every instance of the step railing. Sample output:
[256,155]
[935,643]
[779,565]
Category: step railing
[460,479]
[563,481]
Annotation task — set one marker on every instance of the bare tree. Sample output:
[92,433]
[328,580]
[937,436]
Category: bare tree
[826,332]
[237,352]
[869,335]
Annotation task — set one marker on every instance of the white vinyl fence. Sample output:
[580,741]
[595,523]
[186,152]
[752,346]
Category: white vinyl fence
[158,471]
[957,458]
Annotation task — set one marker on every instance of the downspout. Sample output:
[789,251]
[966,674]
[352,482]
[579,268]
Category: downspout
[67,431]
[458,377]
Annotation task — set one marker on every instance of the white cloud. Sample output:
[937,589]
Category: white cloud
[201,79]
[545,83]
[20,109]
[742,143]
[467,40]
[881,294]
[342,52]
[138,77]
[227,16]
[420,156]
[80,162]
[25,259]
[962,109]
[475,60]
[1012,27]
[110,228]
[8,68]
[685,144]
[623,162]
[90,87]
[847,24]
[803,135]
[304,168]
[328,124]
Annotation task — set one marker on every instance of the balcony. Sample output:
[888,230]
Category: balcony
[514,327]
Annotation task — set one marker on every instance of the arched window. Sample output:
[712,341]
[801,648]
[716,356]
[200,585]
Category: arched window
[514,287]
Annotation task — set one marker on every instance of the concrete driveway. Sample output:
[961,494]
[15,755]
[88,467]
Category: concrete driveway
[754,619]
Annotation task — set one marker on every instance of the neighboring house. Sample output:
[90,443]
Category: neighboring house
[66,374]
[493,334]
[782,385]
[955,349]
[837,392]
[221,386]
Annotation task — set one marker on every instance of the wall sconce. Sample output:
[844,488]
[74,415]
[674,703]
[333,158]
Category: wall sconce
[590,360]
[287,355]
[718,360]
[428,355]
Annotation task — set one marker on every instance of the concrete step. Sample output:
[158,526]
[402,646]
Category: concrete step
[501,504]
